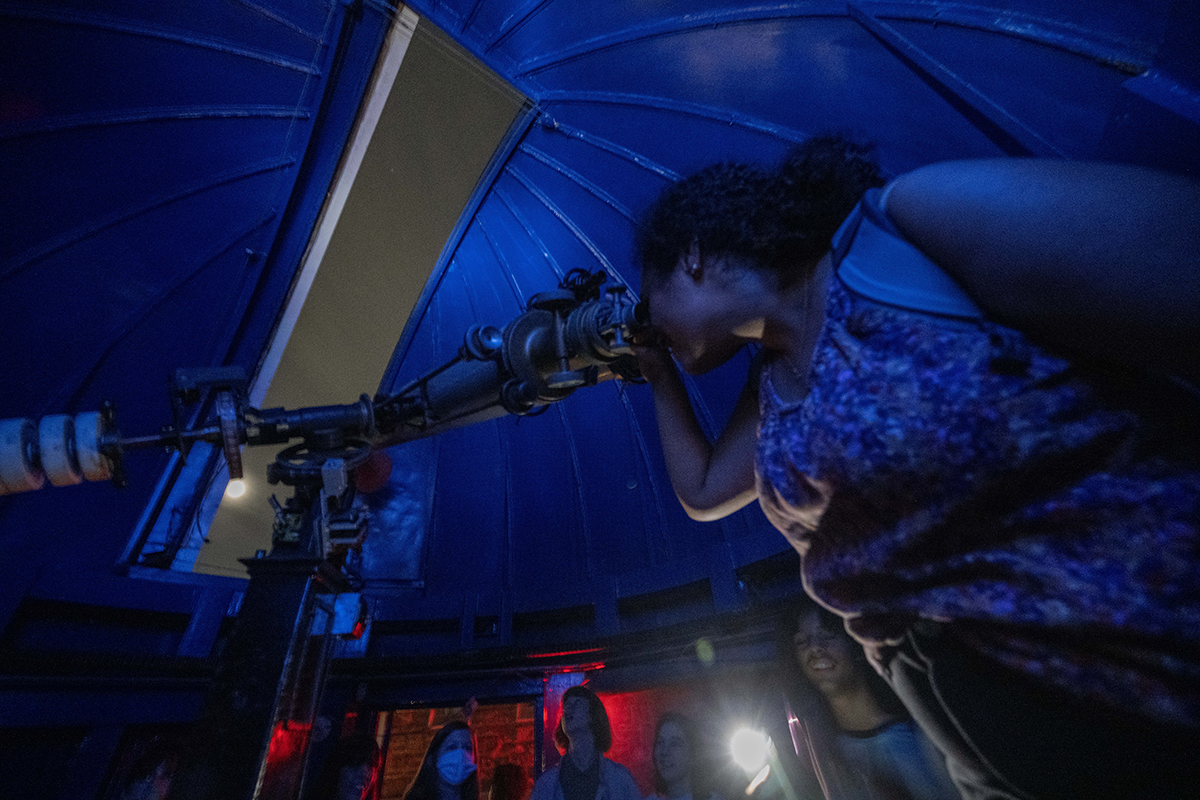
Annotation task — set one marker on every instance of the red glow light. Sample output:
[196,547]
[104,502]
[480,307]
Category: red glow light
[576,668]
[287,740]
[566,653]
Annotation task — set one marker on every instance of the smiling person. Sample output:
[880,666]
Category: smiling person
[448,769]
[584,735]
[974,413]
[848,728]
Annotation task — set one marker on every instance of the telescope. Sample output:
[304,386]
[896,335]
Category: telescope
[309,587]
[576,335]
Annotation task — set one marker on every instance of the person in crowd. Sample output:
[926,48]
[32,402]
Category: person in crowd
[584,735]
[509,782]
[150,775]
[448,769]
[973,412]
[847,726]
[681,772]
[352,771]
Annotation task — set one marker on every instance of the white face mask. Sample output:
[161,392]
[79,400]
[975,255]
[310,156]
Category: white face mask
[455,766]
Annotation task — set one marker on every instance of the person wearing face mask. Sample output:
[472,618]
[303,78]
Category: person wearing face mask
[850,731]
[448,769]
[584,735]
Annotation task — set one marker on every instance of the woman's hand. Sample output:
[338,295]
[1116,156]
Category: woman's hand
[711,479]
[654,358]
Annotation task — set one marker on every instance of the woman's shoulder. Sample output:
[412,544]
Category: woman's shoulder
[548,776]
[619,777]
[614,767]
[1052,248]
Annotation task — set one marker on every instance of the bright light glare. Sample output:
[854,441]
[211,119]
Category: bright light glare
[750,749]
[235,488]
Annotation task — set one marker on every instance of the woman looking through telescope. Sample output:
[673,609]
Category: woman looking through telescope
[971,417]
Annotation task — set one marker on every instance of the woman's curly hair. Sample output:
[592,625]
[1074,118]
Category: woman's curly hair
[782,220]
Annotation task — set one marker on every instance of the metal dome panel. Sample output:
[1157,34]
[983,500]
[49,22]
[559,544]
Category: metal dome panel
[164,166]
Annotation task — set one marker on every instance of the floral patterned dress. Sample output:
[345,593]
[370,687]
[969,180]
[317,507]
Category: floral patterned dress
[960,474]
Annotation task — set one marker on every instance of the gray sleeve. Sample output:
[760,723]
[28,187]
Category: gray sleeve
[621,782]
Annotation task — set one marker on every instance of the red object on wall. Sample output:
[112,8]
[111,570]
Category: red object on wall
[285,760]
[372,475]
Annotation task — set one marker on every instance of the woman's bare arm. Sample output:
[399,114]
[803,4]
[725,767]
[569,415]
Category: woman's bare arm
[711,479]
[1102,260]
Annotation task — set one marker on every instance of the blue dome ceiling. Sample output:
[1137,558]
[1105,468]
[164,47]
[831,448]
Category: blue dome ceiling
[165,167]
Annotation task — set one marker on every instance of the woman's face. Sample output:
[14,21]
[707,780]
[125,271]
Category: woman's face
[828,658]
[576,716]
[459,739]
[700,318]
[672,756]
